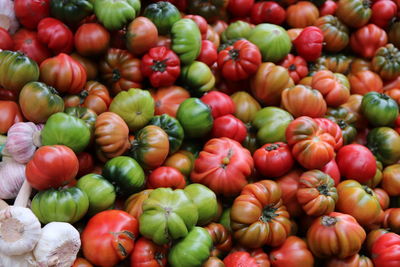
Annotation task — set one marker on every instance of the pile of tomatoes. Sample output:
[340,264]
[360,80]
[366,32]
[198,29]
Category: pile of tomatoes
[208,133]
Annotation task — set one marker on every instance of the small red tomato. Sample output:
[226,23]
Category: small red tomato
[240,8]
[240,259]
[229,126]
[30,12]
[208,53]
[92,39]
[273,160]
[6,42]
[149,254]
[309,43]
[328,8]
[55,35]
[383,12]
[332,170]
[220,103]
[86,163]
[356,162]
[28,43]
[166,177]
[267,12]
[201,23]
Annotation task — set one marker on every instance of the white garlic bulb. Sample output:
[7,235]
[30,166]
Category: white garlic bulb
[20,230]
[8,20]
[58,245]
[12,175]
[24,260]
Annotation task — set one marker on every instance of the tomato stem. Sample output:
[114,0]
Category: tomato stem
[234,53]
[329,221]
[268,214]
[272,147]
[323,189]
[116,75]
[159,65]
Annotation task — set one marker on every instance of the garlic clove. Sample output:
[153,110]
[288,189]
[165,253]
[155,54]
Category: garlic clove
[20,230]
[58,246]
[24,260]
[12,175]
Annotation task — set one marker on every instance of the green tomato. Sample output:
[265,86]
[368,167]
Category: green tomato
[125,174]
[163,14]
[225,219]
[191,251]
[236,30]
[115,14]
[205,200]
[384,143]
[195,117]
[101,193]
[271,123]
[167,215]
[379,109]
[173,128]
[64,205]
[135,107]
[272,40]
[85,114]
[64,129]
[197,78]
[186,40]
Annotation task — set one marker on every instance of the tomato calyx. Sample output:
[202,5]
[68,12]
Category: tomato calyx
[368,190]
[366,4]
[342,124]
[83,95]
[329,221]
[159,65]
[123,242]
[323,189]
[116,75]
[225,160]
[234,54]
[268,214]
[292,67]
[159,256]
[272,147]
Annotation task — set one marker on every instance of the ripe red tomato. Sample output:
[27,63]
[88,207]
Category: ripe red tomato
[332,170]
[383,12]
[55,35]
[6,42]
[52,167]
[166,177]
[10,113]
[92,39]
[296,66]
[356,162]
[267,12]
[30,12]
[328,8]
[28,43]
[229,126]
[386,250]
[208,53]
[240,258]
[273,160]
[309,43]
[86,163]
[201,23]
[221,104]
[148,254]
[240,8]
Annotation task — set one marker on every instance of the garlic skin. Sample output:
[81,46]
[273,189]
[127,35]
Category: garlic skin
[23,138]
[8,21]
[25,260]
[20,231]
[58,246]
[12,175]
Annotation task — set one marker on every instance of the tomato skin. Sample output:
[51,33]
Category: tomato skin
[208,53]
[328,8]
[332,169]
[201,23]
[289,185]
[168,99]
[356,162]
[52,167]
[56,35]
[30,12]
[240,8]
[91,39]
[229,126]
[220,103]
[141,35]
[391,180]
[386,250]
[81,262]
[366,40]
[309,43]
[148,254]
[267,12]
[28,42]
[166,177]
[356,260]
[10,113]
[296,66]
[365,81]
[383,11]
[161,65]
[6,42]
[240,258]
[109,237]
[273,160]
[293,252]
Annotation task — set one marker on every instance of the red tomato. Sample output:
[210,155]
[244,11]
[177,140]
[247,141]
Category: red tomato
[109,237]
[229,126]
[201,22]
[86,163]
[289,185]
[240,8]
[240,61]
[166,177]
[309,43]
[11,95]
[386,250]
[333,129]
[52,167]
[30,12]
[356,162]
[168,99]
[240,259]
[10,113]
[208,53]
[162,66]
[293,252]
[267,12]
[148,254]
[92,39]
[383,12]
[273,160]
[296,66]
[328,8]
[367,39]
[332,170]
[56,35]
[221,104]
[6,42]
[28,43]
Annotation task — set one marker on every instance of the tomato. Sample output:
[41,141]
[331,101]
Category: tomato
[10,114]
[393,33]
[52,167]
[333,86]
[391,220]
[120,70]
[386,250]
[354,13]
[223,165]
[165,177]
[366,40]
[71,11]
[336,34]
[95,96]
[133,205]
[81,262]
[211,10]
[332,169]
[86,163]
[88,64]
[345,236]
[240,8]
[355,260]
[383,13]
[201,23]
[289,185]
[121,13]
[386,62]
[6,42]
[208,53]
[235,31]
[380,109]
[221,104]
[163,15]
[267,12]
[221,237]
[273,160]
[55,35]
[328,8]
[109,237]
[258,217]
[229,126]
[365,81]
[301,14]
[8,95]
[168,99]
[186,40]
[161,65]
[296,66]
[91,39]
[148,254]
[141,35]
[309,43]
[356,162]
[333,129]
[293,252]
[27,42]
[384,143]
[240,258]
[182,160]
[391,180]
[30,12]
[197,78]
[245,106]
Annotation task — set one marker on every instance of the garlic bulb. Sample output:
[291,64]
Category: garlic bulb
[20,230]
[8,20]
[22,140]
[58,245]
[25,260]
[12,175]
